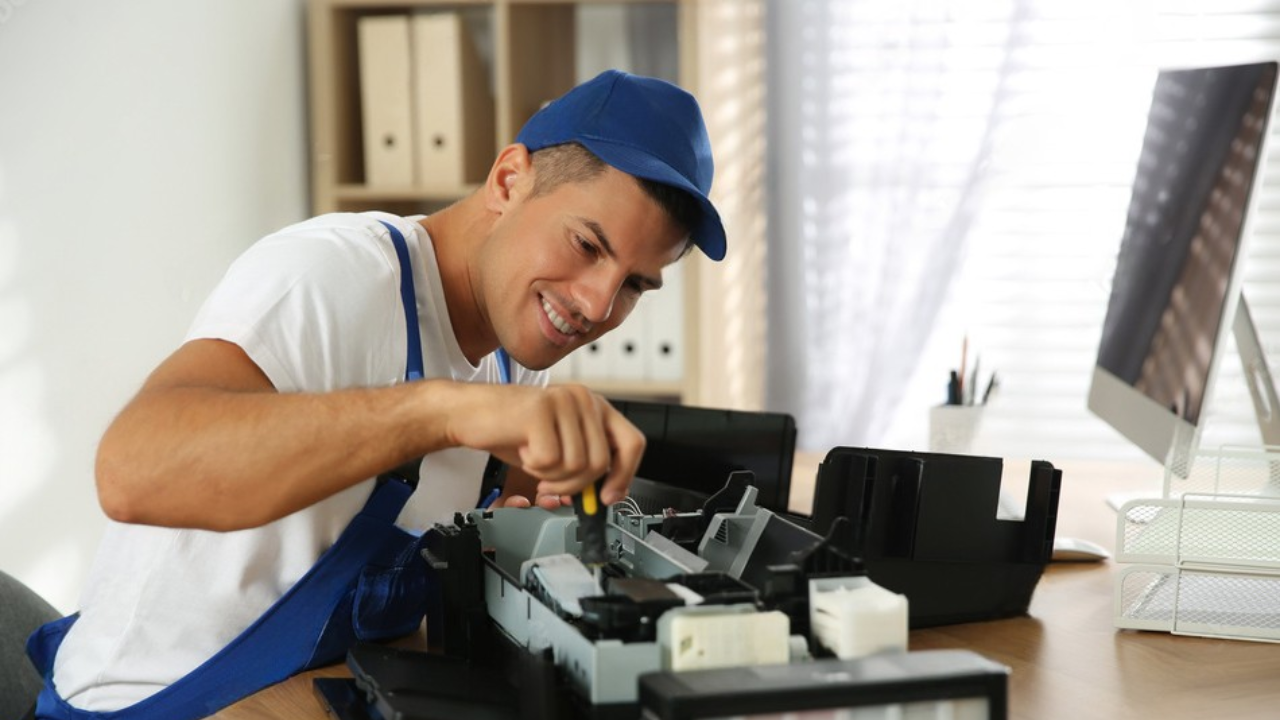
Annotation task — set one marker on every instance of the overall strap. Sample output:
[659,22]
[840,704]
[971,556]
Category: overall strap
[413,370]
[410,301]
[504,365]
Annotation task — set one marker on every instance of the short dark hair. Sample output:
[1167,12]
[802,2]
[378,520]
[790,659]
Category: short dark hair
[572,162]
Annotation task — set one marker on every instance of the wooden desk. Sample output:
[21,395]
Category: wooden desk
[1068,661]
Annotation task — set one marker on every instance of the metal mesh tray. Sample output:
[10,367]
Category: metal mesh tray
[1205,558]
[1237,605]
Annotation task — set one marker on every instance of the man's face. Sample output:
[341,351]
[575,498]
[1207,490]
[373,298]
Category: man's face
[563,268]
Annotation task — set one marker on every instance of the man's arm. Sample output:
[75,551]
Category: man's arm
[209,443]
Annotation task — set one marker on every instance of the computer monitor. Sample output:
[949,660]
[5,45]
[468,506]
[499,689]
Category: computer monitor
[1177,282]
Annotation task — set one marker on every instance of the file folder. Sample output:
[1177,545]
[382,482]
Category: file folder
[566,370]
[385,100]
[627,343]
[453,104]
[594,361]
[664,331]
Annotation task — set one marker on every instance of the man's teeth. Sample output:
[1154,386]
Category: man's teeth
[556,320]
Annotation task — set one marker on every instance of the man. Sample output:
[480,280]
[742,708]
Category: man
[250,539]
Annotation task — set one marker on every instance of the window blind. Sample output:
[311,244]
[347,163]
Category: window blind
[1031,290]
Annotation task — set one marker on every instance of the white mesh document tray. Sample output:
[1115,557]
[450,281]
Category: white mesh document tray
[1215,530]
[1191,602]
[1205,559]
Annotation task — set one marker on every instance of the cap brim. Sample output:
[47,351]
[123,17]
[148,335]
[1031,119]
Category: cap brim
[708,234]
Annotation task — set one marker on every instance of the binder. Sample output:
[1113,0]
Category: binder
[628,341]
[566,370]
[594,361]
[603,40]
[453,103]
[385,99]
[664,334]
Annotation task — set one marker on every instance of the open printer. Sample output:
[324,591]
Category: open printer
[713,600]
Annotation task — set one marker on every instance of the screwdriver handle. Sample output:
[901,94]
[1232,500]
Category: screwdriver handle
[592,516]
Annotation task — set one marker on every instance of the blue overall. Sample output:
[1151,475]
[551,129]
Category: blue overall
[370,585]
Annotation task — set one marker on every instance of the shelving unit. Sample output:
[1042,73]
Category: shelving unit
[534,51]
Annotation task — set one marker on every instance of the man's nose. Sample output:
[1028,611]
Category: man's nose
[596,295]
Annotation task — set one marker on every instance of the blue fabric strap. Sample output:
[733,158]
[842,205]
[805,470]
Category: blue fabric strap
[410,300]
[504,366]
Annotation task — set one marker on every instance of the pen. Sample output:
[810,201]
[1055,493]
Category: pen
[953,389]
[971,387]
[991,385]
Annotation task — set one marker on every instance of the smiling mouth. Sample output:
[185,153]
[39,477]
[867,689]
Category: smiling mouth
[558,322]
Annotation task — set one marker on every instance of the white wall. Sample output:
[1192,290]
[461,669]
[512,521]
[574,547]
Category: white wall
[143,145]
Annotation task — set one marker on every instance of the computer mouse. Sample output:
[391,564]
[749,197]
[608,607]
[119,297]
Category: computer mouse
[1069,549]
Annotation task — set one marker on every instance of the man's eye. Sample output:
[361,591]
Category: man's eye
[586,245]
[636,286]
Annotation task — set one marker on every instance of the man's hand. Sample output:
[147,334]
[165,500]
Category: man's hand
[564,437]
[518,500]
[521,491]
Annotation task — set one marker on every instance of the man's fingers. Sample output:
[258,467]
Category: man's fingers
[571,418]
[627,448]
[513,501]
[596,436]
[628,445]
[576,444]
[549,502]
[563,437]
[540,453]
[546,502]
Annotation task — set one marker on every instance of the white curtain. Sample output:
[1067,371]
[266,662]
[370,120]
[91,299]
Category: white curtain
[729,332]
[945,170]
[886,117]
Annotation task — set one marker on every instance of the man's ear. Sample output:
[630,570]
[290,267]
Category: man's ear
[510,178]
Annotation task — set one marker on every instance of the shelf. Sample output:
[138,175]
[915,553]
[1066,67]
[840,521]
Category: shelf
[635,388]
[531,52]
[364,193]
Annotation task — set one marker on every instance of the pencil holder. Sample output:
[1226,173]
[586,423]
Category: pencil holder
[954,428]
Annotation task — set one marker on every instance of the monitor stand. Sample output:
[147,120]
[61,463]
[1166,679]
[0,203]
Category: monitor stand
[1257,375]
[1262,391]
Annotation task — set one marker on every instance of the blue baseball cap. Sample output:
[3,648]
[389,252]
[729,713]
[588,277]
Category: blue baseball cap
[643,126]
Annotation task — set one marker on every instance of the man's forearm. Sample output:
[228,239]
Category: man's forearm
[209,443]
[222,459]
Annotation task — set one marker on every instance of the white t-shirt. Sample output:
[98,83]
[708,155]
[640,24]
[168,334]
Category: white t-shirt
[317,307]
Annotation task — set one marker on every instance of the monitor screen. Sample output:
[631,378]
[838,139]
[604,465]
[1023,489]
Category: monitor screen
[1177,276]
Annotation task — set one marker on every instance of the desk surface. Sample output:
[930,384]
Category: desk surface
[1067,659]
